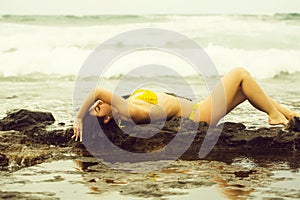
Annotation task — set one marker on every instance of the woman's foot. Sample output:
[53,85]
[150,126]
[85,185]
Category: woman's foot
[278,119]
[291,115]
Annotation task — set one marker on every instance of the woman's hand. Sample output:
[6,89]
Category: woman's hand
[77,128]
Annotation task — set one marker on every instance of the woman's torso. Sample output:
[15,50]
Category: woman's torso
[171,105]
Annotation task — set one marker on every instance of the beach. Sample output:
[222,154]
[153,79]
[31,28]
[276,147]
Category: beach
[40,57]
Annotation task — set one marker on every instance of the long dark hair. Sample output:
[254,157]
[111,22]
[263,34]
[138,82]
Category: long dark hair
[94,130]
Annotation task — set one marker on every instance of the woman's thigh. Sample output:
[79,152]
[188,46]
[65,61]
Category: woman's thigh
[226,96]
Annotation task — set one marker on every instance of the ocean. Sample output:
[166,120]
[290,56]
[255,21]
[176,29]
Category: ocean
[41,56]
[265,44]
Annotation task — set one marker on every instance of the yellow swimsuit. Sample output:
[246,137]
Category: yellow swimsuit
[194,110]
[145,95]
[151,97]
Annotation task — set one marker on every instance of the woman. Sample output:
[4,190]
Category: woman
[144,106]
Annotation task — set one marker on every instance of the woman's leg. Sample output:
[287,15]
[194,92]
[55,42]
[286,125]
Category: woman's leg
[237,86]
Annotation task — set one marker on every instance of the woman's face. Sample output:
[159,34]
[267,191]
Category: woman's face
[100,109]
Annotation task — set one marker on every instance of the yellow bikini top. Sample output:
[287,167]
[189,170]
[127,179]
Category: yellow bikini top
[145,95]
[151,97]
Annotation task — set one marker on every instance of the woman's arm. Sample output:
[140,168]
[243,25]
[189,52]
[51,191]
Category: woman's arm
[138,113]
[106,96]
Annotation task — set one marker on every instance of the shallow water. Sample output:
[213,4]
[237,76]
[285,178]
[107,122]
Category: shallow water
[66,180]
[59,179]
[285,186]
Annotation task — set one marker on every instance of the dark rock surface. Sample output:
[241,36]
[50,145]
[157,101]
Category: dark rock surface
[235,140]
[294,124]
[3,160]
[23,119]
[25,140]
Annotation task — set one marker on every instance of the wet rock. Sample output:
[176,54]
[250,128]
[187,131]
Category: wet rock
[233,127]
[294,124]
[31,141]
[57,137]
[61,124]
[32,126]
[27,195]
[25,139]
[244,174]
[3,160]
[22,119]
[233,139]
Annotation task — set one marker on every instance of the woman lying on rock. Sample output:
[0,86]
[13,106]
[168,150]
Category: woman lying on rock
[144,106]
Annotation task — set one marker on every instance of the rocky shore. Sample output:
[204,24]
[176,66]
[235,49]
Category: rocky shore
[26,139]
[29,137]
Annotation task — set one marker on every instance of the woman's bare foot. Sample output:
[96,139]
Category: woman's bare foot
[295,115]
[278,119]
[292,115]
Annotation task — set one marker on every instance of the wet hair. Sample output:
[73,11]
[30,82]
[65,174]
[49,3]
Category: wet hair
[94,125]
[95,130]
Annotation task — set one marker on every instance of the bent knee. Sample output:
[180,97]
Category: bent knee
[240,71]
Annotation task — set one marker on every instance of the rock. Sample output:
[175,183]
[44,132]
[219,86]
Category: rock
[22,119]
[61,124]
[235,139]
[3,160]
[233,127]
[33,124]
[57,137]
[25,139]
[27,195]
[294,124]
[244,174]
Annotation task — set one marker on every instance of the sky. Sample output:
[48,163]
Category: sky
[99,7]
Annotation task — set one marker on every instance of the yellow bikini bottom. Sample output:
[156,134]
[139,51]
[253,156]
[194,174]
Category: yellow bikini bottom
[194,110]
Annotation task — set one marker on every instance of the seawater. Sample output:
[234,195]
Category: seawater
[265,44]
